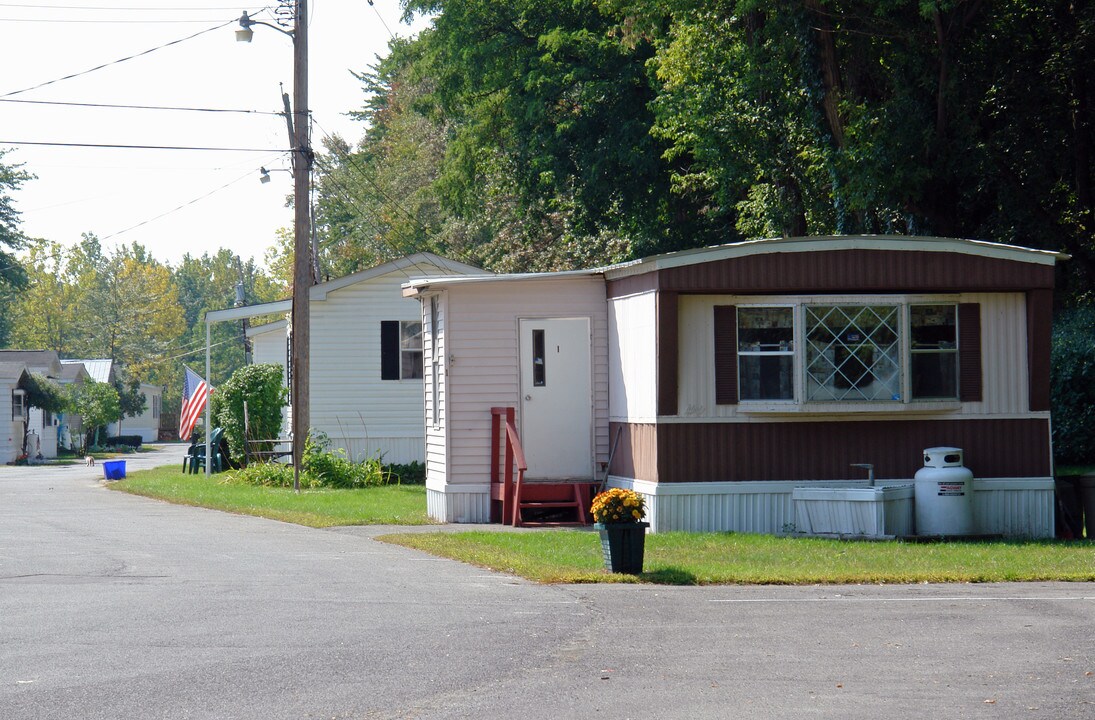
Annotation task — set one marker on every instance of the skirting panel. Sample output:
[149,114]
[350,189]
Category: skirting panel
[453,505]
[1010,507]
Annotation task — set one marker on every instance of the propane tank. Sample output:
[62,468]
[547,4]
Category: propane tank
[944,494]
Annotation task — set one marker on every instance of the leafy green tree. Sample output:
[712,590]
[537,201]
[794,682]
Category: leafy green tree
[262,388]
[13,276]
[98,405]
[1072,368]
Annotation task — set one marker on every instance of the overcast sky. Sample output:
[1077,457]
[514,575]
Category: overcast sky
[176,201]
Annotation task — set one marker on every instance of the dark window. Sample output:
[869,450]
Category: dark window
[766,353]
[539,369]
[933,332]
[400,350]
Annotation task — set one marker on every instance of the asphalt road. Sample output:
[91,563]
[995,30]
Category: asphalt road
[113,607]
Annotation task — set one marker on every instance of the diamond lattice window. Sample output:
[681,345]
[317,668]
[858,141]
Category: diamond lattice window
[853,353]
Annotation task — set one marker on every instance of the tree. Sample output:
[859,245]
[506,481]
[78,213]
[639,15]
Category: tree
[12,274]
[97,403]
[262,388]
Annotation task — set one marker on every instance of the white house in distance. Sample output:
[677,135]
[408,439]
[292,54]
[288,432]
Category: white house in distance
[147,423]
[13,409]
[41,426]
[366,356]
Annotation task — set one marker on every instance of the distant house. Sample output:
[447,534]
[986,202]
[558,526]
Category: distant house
[13,409]
[366,357]
[147,423]
[41,426]
[70,426]
[715,381]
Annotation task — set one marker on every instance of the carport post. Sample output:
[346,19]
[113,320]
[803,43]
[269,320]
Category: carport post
[208,457]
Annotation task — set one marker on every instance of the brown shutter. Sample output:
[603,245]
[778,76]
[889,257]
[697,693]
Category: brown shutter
[726,355]
[969,352]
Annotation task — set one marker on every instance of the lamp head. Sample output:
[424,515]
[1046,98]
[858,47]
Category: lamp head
[264,175]
[245,33]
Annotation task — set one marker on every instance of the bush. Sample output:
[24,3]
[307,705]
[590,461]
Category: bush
[133,441]
[1072,394]
[321,469]
[413,473]
[263,388]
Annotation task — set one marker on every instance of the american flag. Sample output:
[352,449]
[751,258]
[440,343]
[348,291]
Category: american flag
[195,393]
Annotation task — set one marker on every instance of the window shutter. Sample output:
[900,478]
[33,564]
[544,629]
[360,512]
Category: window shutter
[389,349]
[969,352]
[726,355]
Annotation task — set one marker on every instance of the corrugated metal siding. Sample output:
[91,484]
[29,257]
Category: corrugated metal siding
[858,271]
[633,358]
[452,506]
[1003,354]
[711,452]
[637,451]
[1014,512]
[481,336]
[1039,340]
[765,512]
[1010,507]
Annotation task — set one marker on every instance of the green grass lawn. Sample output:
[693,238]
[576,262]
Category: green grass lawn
[388,505]
[574,556]
[734,558]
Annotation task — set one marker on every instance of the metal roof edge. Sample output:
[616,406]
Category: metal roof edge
[413,288]
[907,243]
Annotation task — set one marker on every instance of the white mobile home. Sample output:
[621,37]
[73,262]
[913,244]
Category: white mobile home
[725,378]
[366,359]
[535,343]
[13,409]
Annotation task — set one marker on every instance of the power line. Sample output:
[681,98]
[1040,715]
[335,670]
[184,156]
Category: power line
[73,21]
[121,60]
[249,173]
[116,7]
[139,107]
[142,147]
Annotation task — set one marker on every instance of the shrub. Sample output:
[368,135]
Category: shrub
[412,473]
[263,388]
[321,468]
[1072,394]
[133,441]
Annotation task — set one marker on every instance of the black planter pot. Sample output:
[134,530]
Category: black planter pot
[623,545]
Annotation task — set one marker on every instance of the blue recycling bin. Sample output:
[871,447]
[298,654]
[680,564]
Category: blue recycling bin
[114,469]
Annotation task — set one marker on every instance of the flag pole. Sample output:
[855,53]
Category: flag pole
[208,457]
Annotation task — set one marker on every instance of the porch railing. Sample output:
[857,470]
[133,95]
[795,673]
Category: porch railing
[505,453]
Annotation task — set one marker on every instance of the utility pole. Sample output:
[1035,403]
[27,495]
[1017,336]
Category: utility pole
[241,300]
[302,240]
[303,276]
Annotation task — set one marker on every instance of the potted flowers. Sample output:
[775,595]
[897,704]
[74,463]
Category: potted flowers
[618,516]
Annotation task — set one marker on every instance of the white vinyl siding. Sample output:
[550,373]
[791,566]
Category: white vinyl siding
[358,411]
[632,330]
[1003,353]
[433,348]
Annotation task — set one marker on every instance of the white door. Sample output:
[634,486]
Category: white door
[556,421]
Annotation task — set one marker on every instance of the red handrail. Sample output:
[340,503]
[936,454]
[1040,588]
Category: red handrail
[514,454]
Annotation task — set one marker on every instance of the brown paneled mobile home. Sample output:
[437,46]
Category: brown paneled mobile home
[740,372]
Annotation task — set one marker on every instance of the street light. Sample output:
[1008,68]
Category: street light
[303,278]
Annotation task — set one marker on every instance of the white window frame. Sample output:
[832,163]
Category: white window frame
[796,361]
[800,404]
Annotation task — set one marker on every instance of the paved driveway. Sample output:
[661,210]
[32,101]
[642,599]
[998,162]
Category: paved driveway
[113,606]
